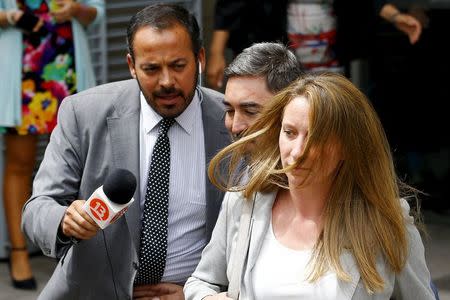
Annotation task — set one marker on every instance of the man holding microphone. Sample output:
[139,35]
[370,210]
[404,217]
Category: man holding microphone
[163,128]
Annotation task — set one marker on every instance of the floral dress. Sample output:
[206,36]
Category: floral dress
[48,70]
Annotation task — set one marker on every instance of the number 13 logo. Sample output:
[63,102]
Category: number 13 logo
[99,209]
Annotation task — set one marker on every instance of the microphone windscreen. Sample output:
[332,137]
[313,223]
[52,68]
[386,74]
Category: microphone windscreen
[119,186]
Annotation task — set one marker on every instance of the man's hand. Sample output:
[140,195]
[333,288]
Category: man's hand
[160,291]
[77,223]
[221,296]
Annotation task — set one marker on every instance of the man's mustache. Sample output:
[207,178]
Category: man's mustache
[236,136]
[168,92]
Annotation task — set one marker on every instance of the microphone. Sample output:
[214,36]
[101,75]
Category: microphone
[111,200]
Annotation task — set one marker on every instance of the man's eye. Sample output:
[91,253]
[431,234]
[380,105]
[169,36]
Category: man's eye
[179,67]
[150,69]
[252,112]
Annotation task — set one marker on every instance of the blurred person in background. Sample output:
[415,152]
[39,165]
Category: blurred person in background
[325,35]
[237,25]
[44,57]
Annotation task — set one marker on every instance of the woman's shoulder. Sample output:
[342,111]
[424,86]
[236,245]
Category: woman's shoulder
[233,202]
[406,211]
[237,197]
[259,203]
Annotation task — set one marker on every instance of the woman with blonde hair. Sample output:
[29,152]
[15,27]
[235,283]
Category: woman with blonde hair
[327,218]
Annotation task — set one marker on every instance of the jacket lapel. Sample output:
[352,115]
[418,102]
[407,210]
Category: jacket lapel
[262,215]
[216,137]
[123,127]
[349,265]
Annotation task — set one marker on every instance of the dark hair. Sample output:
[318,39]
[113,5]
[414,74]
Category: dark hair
[163,16]
[273,60]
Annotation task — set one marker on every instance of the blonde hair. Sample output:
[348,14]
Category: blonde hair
[363,213]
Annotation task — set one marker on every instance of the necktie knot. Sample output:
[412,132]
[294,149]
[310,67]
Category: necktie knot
[164,125]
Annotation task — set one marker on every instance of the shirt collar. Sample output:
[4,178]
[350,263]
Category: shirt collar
[186,120]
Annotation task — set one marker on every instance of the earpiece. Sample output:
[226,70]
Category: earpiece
[199,73]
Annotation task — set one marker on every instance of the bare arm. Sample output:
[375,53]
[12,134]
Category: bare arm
[3,20]
[9,17]
[68,9]
[402,21]
[216,61]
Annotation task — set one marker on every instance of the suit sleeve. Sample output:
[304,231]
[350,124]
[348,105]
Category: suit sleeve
[210,276]
[414,282]
[56,184]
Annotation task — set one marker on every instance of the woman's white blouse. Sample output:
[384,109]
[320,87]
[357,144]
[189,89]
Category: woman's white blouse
[280,273]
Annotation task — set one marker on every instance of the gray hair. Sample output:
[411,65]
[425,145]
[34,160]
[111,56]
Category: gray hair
[272,60]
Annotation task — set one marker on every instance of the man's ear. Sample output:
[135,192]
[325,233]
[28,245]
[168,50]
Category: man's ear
[130,62]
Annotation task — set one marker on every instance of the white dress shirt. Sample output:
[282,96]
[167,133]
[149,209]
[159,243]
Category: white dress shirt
[187,194]
[281,273]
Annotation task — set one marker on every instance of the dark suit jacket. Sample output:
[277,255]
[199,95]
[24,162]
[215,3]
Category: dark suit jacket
[98,129]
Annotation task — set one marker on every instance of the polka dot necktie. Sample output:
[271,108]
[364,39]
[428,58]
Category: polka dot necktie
[153,250]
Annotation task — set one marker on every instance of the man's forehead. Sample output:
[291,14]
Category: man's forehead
[247,85]
[246,92]
[167,60]
[148,35]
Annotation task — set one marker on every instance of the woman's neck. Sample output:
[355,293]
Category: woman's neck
[307,201]
[297,218]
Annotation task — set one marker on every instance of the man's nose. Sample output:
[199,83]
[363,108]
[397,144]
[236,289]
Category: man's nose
[166,78]
[239,125]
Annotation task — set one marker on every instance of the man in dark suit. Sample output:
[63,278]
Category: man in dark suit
[117,125]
